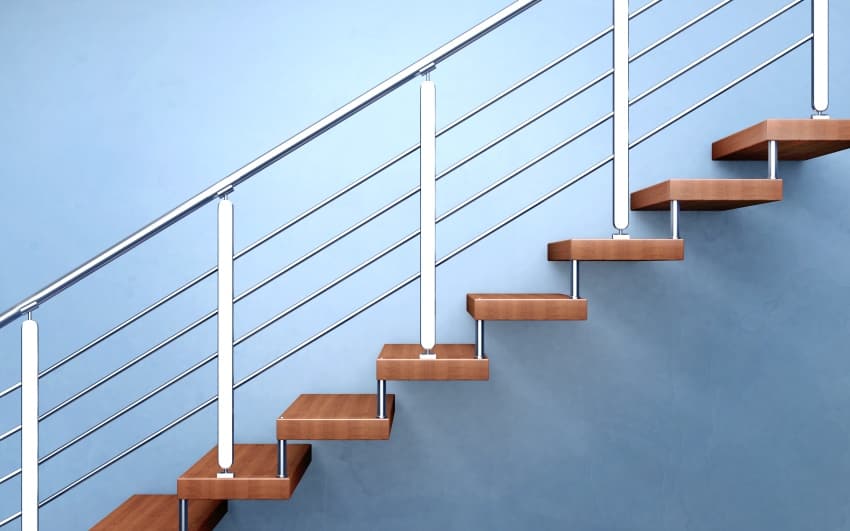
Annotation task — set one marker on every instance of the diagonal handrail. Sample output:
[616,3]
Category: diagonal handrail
[267,159]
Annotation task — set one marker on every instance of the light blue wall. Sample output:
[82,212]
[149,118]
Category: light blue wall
[708,394]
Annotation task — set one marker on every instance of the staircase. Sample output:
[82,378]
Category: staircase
[354,417]
[273,471]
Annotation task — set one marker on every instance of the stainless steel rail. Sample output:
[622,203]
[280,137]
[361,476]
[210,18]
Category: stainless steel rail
[267,159]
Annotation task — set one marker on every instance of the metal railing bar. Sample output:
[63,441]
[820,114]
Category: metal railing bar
[513,217]
[371,217]
[10,519]
[721,91]
[524,81]
[126,452]
[126,409]
[270,157]
[171,296]
[493,143]
[10,390]
[714,52]
[525,166]
[644,9]
[10,433]
[129,364]
[680,29]
[10,475]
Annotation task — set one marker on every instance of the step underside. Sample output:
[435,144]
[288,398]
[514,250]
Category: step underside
[454,362]
[797,140]
[158,512]
[255,475]
[335,417]
[617,250]
[525,307]
[708,194]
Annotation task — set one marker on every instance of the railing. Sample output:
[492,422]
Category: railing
[427,233]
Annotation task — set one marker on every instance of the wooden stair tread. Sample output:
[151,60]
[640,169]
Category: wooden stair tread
[454,362]
[525,307]
[707,194]
[158,512]
[798,140]
[255,475]
[617,250]
[335,417]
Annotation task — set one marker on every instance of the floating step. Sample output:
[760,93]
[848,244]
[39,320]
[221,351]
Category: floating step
[146,512]
[255,475]
[708,194]
[617,250]
[454,362]
[525,307]
[335,417]
[798,140]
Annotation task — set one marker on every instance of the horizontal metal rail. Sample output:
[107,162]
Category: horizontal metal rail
[726,88]
[342,192]
[267,159]
[411,279]
[684,27]
[666,81]
[10,519]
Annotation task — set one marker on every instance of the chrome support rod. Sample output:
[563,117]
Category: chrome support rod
[183,516]
[621,117]
[29,423]
[281,459]
[574,292]
[225,338]
[772,159]
[427,219]
[479,339]
[382,399]
[674,219]
[820,58]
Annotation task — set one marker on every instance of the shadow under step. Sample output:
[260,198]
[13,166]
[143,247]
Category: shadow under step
[797,140]
[617,250]
[335,417]
[525,307]
[146,512]
[708,194]
[454,362]
[255,475]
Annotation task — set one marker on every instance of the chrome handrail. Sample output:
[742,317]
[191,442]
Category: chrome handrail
[267,159]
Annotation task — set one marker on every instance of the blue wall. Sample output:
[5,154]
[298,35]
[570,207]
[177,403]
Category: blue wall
[707,394]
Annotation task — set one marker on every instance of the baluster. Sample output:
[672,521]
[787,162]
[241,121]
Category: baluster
[621,117]
[820,58]
[29,424]
[427,219]
[225,337]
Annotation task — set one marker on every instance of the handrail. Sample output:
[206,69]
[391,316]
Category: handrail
[252,168]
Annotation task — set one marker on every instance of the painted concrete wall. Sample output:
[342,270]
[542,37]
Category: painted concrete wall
[706,395]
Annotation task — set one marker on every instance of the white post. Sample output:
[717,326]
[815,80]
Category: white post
[820,58]
[621,117]
[29,425]
[427,220]
[225,338]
